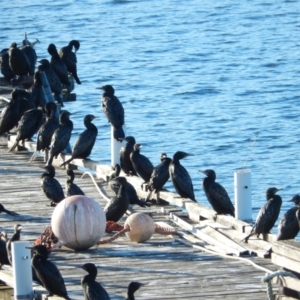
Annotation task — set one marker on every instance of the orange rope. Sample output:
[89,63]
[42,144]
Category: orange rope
[163,230]
[114,237]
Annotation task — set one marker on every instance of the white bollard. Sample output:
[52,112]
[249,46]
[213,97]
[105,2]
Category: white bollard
[242,195]
[115,148]
[22,271]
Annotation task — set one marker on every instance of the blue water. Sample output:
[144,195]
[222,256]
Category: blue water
[198,76]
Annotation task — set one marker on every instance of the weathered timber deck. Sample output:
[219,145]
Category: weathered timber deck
[170,269]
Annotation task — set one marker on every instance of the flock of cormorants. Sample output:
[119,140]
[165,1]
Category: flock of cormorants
[26,111]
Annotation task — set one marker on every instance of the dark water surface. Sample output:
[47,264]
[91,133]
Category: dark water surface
[196,76]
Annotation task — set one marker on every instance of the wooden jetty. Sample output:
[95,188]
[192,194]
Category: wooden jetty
[207,260]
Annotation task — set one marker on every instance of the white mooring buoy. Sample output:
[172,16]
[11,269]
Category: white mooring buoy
[242,195]
[22,272]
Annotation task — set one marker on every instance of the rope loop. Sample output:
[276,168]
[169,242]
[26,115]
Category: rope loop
[268,280]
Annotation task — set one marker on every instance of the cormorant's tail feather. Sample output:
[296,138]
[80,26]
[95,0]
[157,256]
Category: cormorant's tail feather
[119,133]
[13,146]
[12,213]
[76,78]
[247,238]
[66,162]
[50,160]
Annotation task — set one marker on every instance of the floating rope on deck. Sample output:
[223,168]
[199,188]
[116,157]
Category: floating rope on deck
[268,280]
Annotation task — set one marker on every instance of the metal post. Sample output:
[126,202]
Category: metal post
[22,270]
[242,195]
[115,148]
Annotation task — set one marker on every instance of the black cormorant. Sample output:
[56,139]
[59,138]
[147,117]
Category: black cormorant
[117,169]
[18,60]
[70,59]
[288,227]
[24,95]
[30,53]
[118,205]
[141,163]
[58,66]
[159,176]
[113,110]
[180,177]
[13,111]
[125,161]
[267,215]
[24,99]
[61,136]
[91,288]
[54,82]
[9,212]
[29,124]
[72,188]
[85,142]
[130,190]
[38,95]
[5,69]
[216,194]
[15,237]
[3,251]
[132,288]
[50,186]
[44,135]
[9,117]
[48,273]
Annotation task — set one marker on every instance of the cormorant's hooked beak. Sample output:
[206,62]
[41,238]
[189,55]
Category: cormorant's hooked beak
[99,88]
[189,154]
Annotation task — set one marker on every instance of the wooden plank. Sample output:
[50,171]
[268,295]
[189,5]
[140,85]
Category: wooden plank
[289,249]
[6,276]
[237,236]
[226,241]
[210,239]
[285,262]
